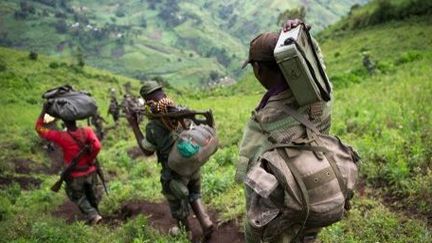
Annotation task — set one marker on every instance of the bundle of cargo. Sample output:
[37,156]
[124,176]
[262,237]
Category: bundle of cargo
[68,104]
[193,149]
[296,55]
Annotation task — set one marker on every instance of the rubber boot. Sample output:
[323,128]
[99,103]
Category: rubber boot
[203,218]
[94,219]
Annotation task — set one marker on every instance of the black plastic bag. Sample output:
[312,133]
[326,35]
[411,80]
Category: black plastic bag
[68,104]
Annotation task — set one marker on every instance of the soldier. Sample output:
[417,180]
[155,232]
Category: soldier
[114,110]
[268,113]
[368,63]
[81,186]
[127,87]
[97,121]
[181,192]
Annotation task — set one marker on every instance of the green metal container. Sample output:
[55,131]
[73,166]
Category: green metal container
[296,56]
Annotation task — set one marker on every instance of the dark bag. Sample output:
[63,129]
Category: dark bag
[67,104]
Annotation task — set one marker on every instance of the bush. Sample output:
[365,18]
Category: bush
[61,26]
[385,66]
[2,66]
[5,208]
[407,57]
[33,55]
[296,13]
[120,13]
[54,65]
[387,10]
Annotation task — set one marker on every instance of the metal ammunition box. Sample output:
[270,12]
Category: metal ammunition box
[301,67]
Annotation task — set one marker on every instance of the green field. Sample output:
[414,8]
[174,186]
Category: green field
[188,43]
[386,116]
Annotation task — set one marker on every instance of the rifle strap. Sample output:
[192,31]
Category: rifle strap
[79,142]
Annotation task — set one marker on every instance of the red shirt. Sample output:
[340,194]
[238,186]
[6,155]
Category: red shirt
[70,147]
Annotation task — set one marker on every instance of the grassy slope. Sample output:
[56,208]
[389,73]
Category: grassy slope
[176,53]
[386,116]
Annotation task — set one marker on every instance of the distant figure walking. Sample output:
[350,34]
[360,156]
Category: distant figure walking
[97,121]
[114,110]
[368,63]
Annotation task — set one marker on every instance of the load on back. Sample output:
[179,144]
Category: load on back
[68,104]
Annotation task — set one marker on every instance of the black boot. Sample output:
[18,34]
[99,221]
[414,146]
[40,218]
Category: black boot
[203,218]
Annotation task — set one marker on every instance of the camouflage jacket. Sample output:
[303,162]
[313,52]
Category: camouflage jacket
[271,122]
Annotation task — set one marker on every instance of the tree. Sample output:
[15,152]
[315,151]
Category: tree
[80,57]
[295,13]
[61,26]
[33,55]
[143,22]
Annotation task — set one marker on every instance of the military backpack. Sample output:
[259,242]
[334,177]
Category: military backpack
[305,182]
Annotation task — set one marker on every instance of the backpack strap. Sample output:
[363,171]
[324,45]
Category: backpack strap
[300,118]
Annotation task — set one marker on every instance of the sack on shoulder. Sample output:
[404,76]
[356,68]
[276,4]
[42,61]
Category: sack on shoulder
[316,175]
[67,104]
[192,149]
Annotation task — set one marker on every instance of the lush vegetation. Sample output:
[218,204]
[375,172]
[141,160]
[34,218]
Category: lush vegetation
[189,43]
[381,11]
[386,115]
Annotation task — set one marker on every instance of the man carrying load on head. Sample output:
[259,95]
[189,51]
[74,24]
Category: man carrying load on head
[180,191]
[81,184]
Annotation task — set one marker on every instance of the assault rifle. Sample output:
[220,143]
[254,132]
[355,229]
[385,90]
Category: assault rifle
[66,172]
[131,106]
[185,114]
[101,175]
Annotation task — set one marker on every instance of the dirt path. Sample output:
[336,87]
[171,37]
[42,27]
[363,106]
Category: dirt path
[56,156]
[25,182]
[159,218]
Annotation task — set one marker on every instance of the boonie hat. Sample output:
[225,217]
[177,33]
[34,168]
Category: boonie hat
[262,47]
[149,87]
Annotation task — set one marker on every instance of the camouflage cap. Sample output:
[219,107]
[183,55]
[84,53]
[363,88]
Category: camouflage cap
[149,87]
[262,47]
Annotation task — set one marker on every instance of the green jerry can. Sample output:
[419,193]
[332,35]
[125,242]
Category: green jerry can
[298,60]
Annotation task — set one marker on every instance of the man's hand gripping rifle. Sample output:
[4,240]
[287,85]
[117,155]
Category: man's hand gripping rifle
[132,108]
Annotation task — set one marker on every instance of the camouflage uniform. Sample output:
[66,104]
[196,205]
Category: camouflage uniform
[183,193]
[255,141]
[368,63]
[97,121]
[178,190]
[114,109]
[84,192]
[271,122]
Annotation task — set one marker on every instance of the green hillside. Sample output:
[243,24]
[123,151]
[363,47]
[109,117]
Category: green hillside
[189,43]
[385,115]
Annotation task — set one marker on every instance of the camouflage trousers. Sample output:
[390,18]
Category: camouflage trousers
[253,235]
[180,191]
[84,192]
